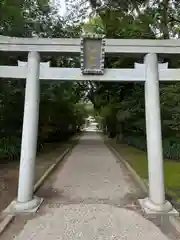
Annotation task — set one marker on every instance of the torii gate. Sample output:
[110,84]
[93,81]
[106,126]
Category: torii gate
[149,72]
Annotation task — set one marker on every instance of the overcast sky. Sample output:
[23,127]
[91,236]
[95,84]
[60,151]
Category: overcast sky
[62,6]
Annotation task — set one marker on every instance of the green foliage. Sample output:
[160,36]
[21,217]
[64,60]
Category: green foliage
[62,108]
[120,107]
[10,148]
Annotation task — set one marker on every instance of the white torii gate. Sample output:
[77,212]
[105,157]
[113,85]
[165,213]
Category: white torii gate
[149,72]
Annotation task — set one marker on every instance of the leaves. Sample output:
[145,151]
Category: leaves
[62,107]
[120,107]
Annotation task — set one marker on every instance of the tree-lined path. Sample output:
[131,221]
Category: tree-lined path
[90,196]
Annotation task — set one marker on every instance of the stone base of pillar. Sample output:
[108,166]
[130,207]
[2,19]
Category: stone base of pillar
[24,208]
[152,209]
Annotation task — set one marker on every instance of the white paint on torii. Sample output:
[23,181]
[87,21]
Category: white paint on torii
[72,45]
[42,64]
[155,202]
[74,74]
[161,66]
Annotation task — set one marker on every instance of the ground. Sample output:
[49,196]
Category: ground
[91,195]
[9,172]
[138,160]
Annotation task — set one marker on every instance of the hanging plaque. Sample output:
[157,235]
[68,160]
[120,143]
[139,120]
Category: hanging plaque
[92,54]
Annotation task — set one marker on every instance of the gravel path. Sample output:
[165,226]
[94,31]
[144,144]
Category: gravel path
[9,172]
[88,199]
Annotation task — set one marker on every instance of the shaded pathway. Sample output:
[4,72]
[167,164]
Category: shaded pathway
[89,197]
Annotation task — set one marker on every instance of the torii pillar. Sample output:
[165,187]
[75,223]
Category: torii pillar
[26,201]
[155,203]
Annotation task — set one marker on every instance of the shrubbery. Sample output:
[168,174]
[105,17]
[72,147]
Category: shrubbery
[171,146]
[62,111]
[10,148]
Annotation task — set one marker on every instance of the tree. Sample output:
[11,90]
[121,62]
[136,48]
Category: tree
[62,110]
[120,107]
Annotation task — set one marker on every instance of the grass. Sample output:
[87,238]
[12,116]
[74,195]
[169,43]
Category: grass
[138,161]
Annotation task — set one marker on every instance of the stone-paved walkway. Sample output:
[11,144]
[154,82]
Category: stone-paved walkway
[90,197]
